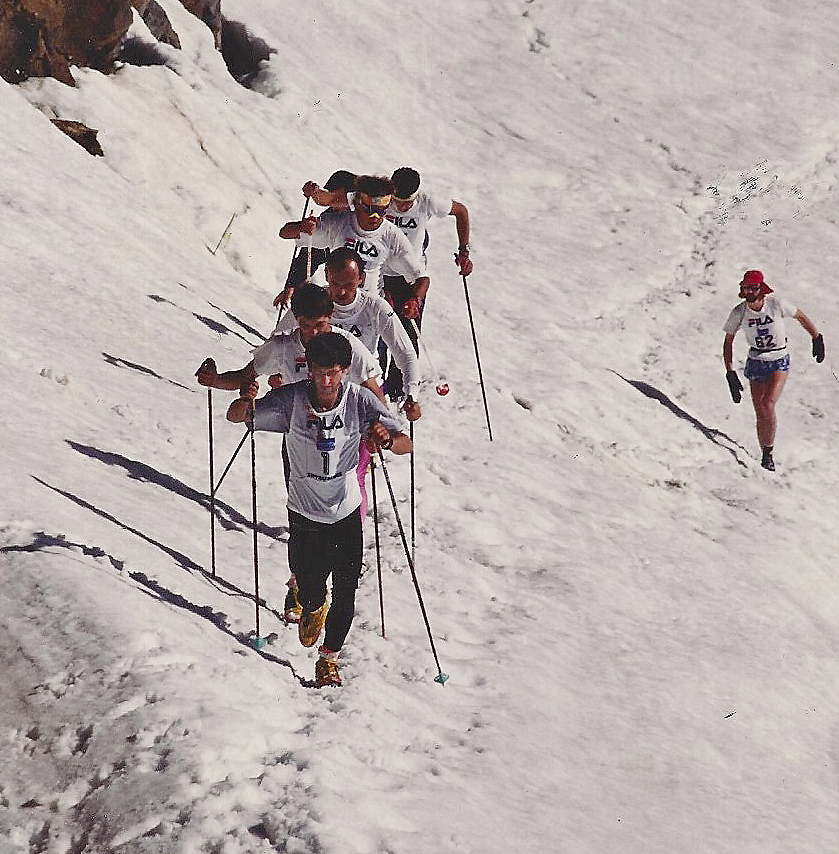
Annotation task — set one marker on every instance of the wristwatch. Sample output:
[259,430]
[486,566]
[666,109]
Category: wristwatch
[463,249]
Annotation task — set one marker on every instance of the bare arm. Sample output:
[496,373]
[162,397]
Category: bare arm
[728,350]
[293,230]
[806,323]
[328,198]
[380,437]
[461,219]
[240,410]
[227,381]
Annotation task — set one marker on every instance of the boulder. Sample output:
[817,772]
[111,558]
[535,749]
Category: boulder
[82,134]
[43,38]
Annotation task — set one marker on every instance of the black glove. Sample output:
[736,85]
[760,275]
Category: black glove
[734,385]
[818,348]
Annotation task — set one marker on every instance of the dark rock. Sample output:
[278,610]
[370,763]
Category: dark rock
[243,52]
[138,51]
[83,135]
[43,38]
[157,21]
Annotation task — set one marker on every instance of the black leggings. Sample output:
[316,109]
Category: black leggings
[316,549]
[397,291]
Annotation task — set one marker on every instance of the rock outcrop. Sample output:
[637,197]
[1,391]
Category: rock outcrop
[43,38]
[157,21]
[80,133]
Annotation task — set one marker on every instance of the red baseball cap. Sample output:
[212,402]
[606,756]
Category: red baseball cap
[752,277]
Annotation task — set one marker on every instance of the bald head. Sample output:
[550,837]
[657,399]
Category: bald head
[344,274]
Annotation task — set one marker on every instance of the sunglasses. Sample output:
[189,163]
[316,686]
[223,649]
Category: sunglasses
[373,209]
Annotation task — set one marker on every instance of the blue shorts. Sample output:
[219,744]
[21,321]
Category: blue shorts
[759,371]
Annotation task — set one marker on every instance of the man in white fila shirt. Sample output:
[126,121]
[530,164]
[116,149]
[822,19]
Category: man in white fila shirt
[411,210]
[364,228]
[368,317]
[761,317]
[282,357]
[324,419]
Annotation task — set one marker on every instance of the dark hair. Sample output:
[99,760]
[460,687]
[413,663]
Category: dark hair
[406,182]
[373,185]
[310,300]
[340,180]
[329,349]
[342,257]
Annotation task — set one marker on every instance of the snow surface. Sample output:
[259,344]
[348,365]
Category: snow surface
[640,624]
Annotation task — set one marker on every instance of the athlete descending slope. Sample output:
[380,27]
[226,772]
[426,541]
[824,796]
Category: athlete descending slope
[324,419]
[761,317]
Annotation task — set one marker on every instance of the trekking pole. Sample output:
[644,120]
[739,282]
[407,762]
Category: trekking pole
[441,386]
[477,356]
[210,363]
[440,677]
[413,509]
[230,463]
[257,641]
[283,304]
[378,548]
[212,484]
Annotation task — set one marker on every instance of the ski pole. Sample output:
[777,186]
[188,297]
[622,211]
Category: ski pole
[257,641]
[413,509]
[210,363]
[440,677]
[284,302]
[212,484]
[441,386]
[378,548]
[230,463]
[477,356]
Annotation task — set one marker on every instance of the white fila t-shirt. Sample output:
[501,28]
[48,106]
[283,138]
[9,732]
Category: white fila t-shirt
[285,354]
[383,245]
[369,317]
[322,446]
[414,222]
[765,330]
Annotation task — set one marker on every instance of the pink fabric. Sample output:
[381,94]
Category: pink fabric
[361,471]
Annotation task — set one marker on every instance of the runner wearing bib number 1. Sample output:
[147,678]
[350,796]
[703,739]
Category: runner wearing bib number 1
[324,419]
[761,317]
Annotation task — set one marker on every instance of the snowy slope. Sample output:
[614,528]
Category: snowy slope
[639,623]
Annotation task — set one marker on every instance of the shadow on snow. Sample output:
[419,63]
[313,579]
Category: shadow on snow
[43,541]
[143,472]
[709,433]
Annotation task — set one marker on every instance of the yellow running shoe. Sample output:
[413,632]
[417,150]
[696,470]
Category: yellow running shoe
[326,673]
[311,625]
[292,610]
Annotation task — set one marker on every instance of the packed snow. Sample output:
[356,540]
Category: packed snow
[639,624]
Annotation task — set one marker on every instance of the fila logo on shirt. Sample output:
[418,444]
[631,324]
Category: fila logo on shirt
[760,321]
[362,248]
[403,223]
[300,364]
[313,420]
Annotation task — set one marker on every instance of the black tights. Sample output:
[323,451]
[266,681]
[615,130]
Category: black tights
[316,549]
